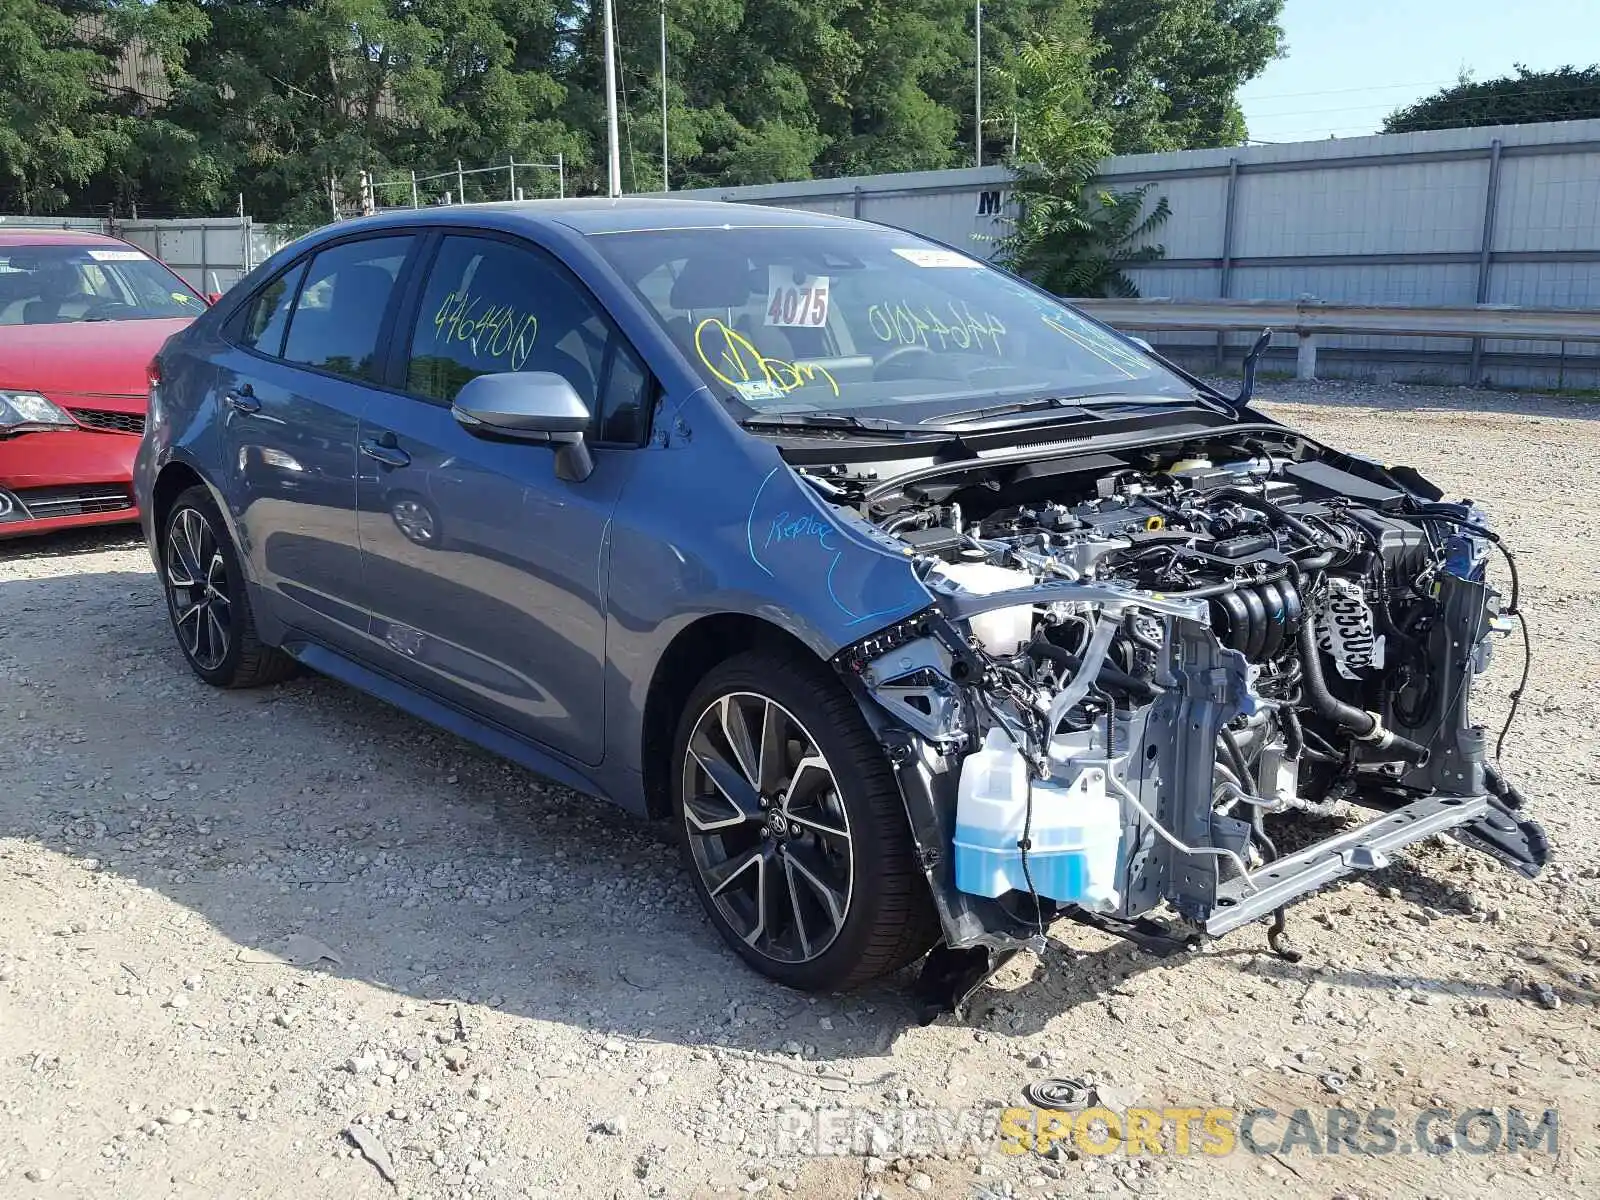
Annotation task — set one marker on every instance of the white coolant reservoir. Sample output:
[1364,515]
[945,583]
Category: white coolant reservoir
[1004,631]
[1075,834]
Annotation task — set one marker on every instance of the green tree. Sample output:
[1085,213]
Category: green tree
[784,89]
[288,101]
[57,125]
[1567,94]
[887,118]
[1068,236]
[744,84]
[1169,70]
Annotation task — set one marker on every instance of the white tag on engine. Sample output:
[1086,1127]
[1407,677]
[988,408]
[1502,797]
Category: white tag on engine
[1345,629]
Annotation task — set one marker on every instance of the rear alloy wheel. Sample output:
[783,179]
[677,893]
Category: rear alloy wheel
[197,587]
[207,599]
[793,828]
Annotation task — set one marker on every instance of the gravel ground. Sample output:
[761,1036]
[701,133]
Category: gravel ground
[241,931]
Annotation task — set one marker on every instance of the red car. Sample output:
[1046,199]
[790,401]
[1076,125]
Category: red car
[81,316]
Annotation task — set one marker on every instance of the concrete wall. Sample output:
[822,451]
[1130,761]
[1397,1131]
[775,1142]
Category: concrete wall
[1508,215]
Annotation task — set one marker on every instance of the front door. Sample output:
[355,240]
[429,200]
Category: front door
[304,354]
[487,572]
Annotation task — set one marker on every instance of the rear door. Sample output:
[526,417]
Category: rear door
[487,571]
[308,351]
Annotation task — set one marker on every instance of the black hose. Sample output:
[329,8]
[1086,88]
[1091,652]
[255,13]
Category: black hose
[1347,716]
[907,519]
[1258,830]
[1110,676]
[1130,628]
[1261,504]
[1232,585]
[1294,739]
[1230,744]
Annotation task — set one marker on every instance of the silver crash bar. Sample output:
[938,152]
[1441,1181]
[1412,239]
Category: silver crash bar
[1365,848]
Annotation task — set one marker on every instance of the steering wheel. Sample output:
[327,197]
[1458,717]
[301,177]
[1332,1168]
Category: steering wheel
[102,308]
[901,353]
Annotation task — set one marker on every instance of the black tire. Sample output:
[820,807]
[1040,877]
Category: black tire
[889,918]
[213,598]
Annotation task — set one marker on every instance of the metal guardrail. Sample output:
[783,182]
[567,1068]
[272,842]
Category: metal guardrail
[1309,318]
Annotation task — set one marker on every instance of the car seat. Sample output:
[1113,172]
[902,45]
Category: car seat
[55,284]
[326,337]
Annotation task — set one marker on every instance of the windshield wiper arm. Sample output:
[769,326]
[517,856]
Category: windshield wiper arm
[1001,410]
[847,422]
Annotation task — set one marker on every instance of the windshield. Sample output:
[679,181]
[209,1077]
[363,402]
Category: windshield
[52,285]
[868,321]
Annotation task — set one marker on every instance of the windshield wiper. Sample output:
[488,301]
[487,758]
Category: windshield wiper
[845,422]
[1082,404]
[1001,410]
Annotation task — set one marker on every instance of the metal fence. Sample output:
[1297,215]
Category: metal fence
[1448,218]
[1310,321]
[212,253]
[1507,215]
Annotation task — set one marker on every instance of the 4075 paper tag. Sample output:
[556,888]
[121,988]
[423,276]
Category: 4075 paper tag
[791,304]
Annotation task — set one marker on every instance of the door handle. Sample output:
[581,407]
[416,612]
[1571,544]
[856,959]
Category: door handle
[385,449]
[243,400]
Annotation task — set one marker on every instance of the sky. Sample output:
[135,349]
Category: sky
[1352,62]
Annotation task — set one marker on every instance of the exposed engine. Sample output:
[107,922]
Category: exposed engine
[1143,658]
[1331,601]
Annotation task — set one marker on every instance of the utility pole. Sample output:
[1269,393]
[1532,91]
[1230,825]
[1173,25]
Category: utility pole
[613,138]
[977,119]
[666,181]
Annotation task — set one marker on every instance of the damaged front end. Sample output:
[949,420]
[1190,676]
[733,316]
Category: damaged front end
[1134,660]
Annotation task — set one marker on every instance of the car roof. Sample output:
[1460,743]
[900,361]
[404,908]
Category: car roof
[23,236]
[599,215]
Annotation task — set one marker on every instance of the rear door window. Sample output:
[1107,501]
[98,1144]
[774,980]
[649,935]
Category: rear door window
[261,325]
[339,314]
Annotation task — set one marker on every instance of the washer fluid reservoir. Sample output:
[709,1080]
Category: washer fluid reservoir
[1074,833]
[1004,631]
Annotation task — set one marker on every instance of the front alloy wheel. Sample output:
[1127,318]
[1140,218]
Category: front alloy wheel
[792,825]
[766,827]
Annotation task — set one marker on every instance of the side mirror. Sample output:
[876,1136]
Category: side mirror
[1142,344]
[213,297]
[529,406]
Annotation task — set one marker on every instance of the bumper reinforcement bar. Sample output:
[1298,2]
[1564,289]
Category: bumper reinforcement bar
[1364,848]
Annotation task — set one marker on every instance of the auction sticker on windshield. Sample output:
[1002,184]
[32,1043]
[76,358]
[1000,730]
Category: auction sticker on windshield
[759,389]
[936,258]
[117,255]
[796,304]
